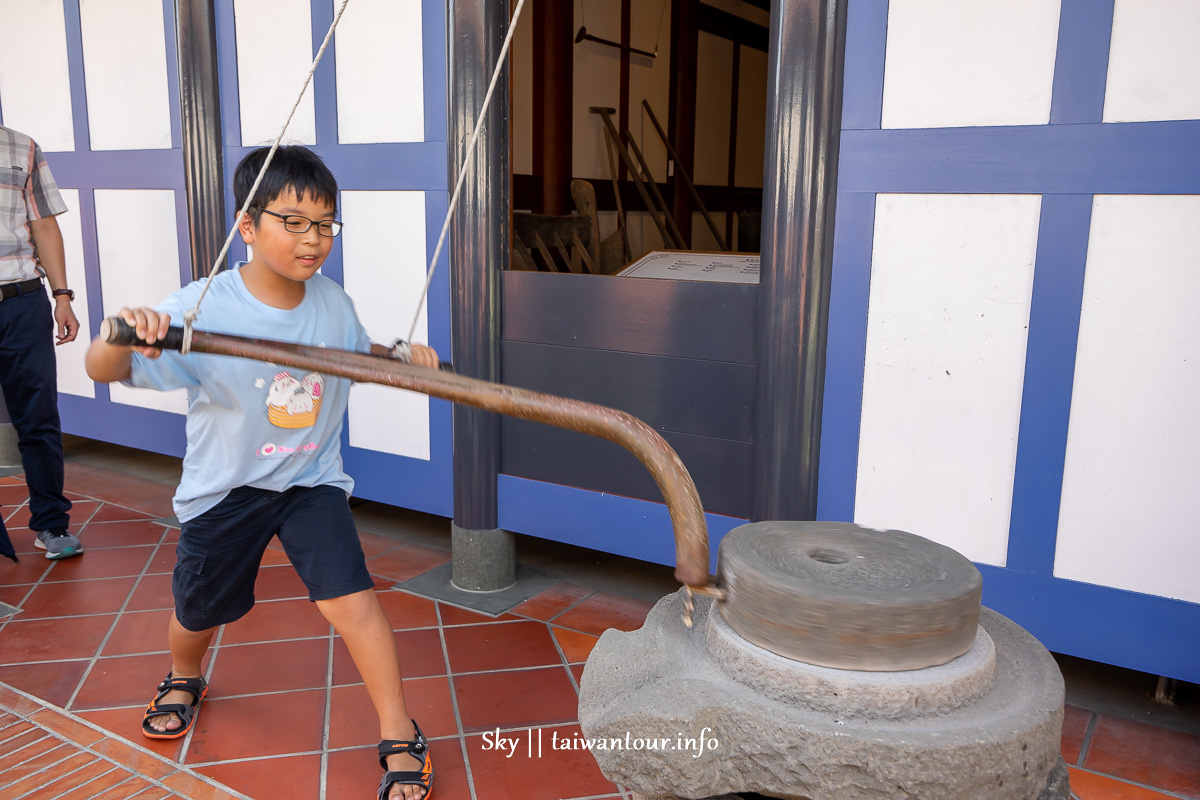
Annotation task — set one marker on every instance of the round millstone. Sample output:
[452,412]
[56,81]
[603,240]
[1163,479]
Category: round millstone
[840,595]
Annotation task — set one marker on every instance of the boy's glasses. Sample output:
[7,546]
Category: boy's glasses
[294,223]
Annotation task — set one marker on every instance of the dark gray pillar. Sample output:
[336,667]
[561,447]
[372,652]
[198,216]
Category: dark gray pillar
[483,555]
[804,112]
[200,116]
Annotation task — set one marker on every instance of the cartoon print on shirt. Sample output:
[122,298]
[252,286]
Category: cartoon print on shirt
[293,403]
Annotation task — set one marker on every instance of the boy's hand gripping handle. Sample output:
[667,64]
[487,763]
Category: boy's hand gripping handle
[115,330]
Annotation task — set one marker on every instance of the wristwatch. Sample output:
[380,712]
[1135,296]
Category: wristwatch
[70,293]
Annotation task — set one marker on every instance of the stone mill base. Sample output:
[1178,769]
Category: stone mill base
[679,714]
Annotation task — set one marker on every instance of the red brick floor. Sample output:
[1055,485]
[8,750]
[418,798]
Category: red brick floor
[80,660]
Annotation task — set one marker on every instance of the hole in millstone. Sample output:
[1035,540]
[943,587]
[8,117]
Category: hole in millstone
[829,556]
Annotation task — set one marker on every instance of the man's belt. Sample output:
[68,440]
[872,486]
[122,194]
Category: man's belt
[8,290]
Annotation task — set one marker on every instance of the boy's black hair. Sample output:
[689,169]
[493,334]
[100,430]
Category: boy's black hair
[292,167]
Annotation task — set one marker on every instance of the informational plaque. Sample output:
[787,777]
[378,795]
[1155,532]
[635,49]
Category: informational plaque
[688,266]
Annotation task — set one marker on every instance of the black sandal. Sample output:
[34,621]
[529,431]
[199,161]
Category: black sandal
[187,714]
[418,747]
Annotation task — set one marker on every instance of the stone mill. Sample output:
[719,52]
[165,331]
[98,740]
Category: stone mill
[837,663]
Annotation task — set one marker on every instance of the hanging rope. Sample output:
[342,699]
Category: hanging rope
[190,316]
[462,173]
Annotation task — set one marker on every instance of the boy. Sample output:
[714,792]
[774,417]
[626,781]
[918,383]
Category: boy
[263,454]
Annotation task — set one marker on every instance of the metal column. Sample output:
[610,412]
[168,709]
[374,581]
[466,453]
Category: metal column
[483,556]
[804,112]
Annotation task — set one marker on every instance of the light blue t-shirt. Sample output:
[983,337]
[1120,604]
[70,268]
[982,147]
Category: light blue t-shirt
[250,423]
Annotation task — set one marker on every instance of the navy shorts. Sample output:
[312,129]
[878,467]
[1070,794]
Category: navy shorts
[219,552]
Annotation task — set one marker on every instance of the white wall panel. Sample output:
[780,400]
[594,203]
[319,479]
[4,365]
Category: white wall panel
[951,281]
[125,68]
[137,242]
[951,63]
[1153,61]
[274,54]
[41,107]
[1130,500]
[380,89]
[383,252]
[72,377]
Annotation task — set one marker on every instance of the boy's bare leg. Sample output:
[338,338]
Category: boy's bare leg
[187,653]
[360,621]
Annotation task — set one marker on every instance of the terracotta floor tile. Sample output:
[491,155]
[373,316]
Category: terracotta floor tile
[273,667]
[31,569]
[193,787]
[420,656]
[133,492]
[66,726]
[605,610]
[49,753]
[355,774]
[353,723]
[114,513]
[563,773]
[73,467]
[513,645]
[1075,725]
[67,784]
[124,680]
[77,597]
[406,610]
[275,557]
[23,736]
[553,601]
[94,483]
[407,562]
[515,699]
[56,639]
[53,682]
[374,544]
[1146,754]
[281,776]
[105,562]
[139,632]
[277,619]
[453,615]
[576,646]
[152,592]
[133,789]
[19,518]
[127,724]
[121,534]
[13,494]
[577,671]
[279,583]
[83,509]
[33,782]
[124,752]
[161,507]
[15,595]
[256,727]
[1089,786]
[163,560]
[114,776]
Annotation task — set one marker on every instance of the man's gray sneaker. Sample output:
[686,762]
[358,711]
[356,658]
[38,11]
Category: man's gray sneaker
[58,543]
